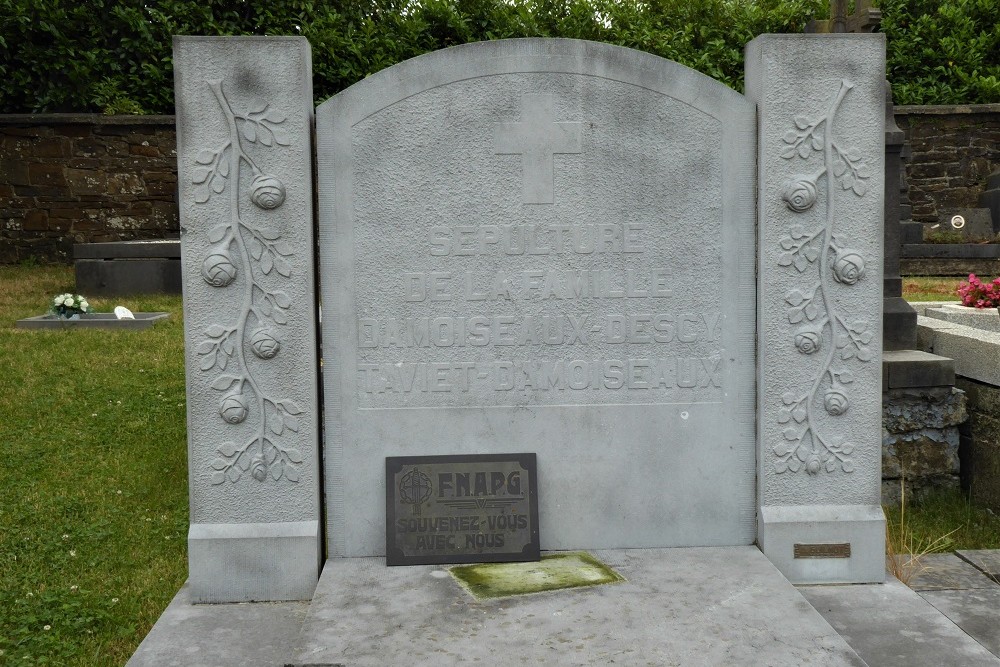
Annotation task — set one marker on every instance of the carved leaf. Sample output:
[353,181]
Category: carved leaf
[811,253]
[218,185]
[200,175]
[795,315]
[847,181]
[202,195]
[292,423]
[215,330]
[788,398]
[218,478]
[787,243]
[281,136]
[219,464]
[831,464]
[788,152]
[283,248]
[277,425]
[866,337]
[783,449]
[847,465]
[266,263]
[223,361]
[256,249]
[860,188]
[801,122]
[224,166]
[264,135]
[205,157]
[791,434]
[291,474]
[276,469]
[853,154]
[270,234]
[811,312]
[804,150]
[227,449]
[290,407]
[817,143]
[250,132]
[800,263]
[845,377]
[791,137]
[279,317]
[294,455]
[282,267]
[800,414]
[802,453]
[797,232]
[864,171]
[864,354]
[205,347]
[793,464]
[795,298]
[839,167]
[282,299]
[228,347]
[780,466]
[785,259]
[209,361]
[265,307]
[274,116]
[784,416]
[218,233]
[847,447]
[224,382]
[234,474]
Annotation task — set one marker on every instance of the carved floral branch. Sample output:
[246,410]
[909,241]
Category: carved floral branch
[822,330]
[252,338]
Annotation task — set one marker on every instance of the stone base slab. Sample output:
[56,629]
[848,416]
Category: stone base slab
[253,562]
[781,528]
[93,321]
[695,606]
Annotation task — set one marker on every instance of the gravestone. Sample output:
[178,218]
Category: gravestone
[544,246]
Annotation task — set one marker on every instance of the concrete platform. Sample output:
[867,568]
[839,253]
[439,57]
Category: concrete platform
[705,606]
[92,321]
[725,606]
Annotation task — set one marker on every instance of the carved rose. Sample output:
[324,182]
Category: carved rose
[258,469]
[233,408]
[813,465]
[263,344]
[835,402]
[267,192]
[799,194]
[848,267]
[808,341]
[218,269]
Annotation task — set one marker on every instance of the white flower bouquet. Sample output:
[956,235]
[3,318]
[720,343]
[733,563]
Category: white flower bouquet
[67,305]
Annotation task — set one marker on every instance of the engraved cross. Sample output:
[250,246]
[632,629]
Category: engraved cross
[536,138]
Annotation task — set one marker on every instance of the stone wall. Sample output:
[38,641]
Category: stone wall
[982,437]
[954,148]
[920,440]
[75,178]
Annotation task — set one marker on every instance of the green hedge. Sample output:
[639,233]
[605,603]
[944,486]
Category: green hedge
[114,55]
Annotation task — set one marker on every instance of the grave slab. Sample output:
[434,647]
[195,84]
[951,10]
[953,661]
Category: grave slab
[890,625]
[973,610]
[712,606]
[93,321]
[986,561]
[948,572]
[190,635]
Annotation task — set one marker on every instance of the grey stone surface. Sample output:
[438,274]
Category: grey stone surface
[93,321]
[244,118]
[99,277]
[976,224]
[912,409]
[890,625]
[151,249]
[978,318]
[941,572]
[986,561]
[965,251]
[463,190]
[916,368]
[699,606]
[976,351]
[974,611]
[819,293]
[221,635]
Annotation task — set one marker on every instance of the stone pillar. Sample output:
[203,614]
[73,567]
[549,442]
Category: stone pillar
[899,320]
[244,128]
[820,112]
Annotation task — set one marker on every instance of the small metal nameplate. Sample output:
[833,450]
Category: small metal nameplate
[842,550]
[461,509]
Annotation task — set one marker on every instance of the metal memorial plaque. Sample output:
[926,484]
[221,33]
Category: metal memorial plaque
[838,550]
[461,509]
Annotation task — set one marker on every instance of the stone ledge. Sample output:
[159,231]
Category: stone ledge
[976,352]
[943,109]
[82,119]
[913,368]
[93,321]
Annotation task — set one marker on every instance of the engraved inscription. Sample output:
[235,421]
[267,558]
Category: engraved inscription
[837,550]
[536,138]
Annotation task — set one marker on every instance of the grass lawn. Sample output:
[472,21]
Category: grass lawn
[929,288]
[93,503]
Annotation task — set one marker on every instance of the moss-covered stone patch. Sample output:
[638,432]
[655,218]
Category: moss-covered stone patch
[553,572]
